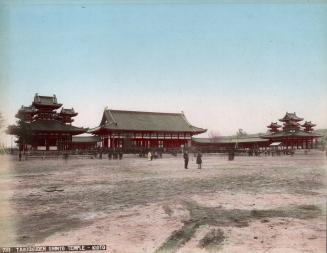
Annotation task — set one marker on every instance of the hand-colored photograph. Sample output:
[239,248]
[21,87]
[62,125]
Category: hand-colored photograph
[163,126]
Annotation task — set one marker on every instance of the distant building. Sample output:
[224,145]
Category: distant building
[85,142]
[143,130]
[42,127]
[226,143]
[292,136]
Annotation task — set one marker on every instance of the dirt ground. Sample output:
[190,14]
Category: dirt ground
[251,204]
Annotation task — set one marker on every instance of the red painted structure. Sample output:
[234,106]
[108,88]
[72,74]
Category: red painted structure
[224,144]
[47,128]
[144,130]
[292,136]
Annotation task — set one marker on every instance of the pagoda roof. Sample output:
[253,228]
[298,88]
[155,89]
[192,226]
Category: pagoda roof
[67,111]
[48,101]
[290,116]
[55,126]
[27,109]
[309,124]
[284,134]
[229,140]
[274,125]
[145,121]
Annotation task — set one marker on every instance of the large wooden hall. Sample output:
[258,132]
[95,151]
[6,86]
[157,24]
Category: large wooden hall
[143,130]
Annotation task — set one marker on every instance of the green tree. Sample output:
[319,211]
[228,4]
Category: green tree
[22,131]
[241,133]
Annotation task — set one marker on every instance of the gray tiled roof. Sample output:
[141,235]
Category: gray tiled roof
[309,124]
[227,140]
[274,124]
[46,100]
[290,134]
[146,121]
[69,111]
[27,109]
[54,126]
[291,116]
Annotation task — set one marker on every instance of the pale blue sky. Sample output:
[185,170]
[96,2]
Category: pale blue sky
[227,66]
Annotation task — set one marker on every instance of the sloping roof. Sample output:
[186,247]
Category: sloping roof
[274,124]
[229,140]
[68,111]
[290,134]
[46,100]
[28,109]
[24,111]
[146,121]
[290,116]
[85,139]
[54,126]
[308,124]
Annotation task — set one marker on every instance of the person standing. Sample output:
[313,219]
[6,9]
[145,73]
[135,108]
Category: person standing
[186,158]
[199,160]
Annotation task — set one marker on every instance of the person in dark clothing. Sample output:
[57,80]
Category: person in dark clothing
[199,160]
[185,159]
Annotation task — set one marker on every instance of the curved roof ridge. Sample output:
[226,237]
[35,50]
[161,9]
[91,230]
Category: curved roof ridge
[149,112]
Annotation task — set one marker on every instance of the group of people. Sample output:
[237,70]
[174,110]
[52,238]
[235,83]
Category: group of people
[112,154]
[198,159]
[154,155]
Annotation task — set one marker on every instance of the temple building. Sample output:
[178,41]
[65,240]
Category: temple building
[42,127]
[292,136]
[227,143]
[142,130]
[82,142]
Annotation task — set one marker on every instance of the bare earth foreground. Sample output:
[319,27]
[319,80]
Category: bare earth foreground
[252,204]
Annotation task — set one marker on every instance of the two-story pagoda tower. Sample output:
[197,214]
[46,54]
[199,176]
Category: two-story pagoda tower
[292,135]
[42,127]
